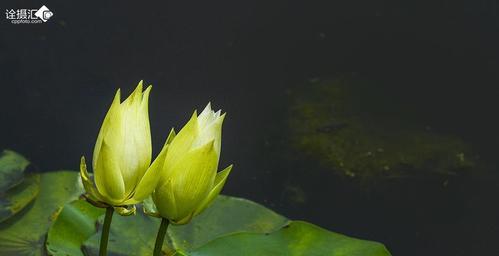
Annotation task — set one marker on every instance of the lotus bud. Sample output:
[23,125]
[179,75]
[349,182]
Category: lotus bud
[122,154]
[188,179]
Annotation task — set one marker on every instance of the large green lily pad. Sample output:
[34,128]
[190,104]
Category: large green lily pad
[74,225]
[12,166]
[24,234]
[227,215]
[16,198]
[297,239]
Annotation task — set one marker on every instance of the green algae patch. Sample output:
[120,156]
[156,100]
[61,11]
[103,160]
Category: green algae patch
[347,130]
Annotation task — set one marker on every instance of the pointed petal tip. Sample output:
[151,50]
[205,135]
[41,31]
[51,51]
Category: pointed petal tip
[222,117]
[117,96]
[136,95]
[171,135]
[207,110]
[226,171]
[83,168]
[217,114]
[139,86]
[145,94]
[222,176]
[138,90]
[194,116]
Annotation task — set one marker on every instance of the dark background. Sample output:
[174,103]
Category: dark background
[438,59]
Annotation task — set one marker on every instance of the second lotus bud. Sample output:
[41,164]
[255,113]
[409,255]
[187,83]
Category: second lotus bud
[188,179]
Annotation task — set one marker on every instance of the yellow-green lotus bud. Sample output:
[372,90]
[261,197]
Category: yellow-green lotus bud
[122,153]
[188,180]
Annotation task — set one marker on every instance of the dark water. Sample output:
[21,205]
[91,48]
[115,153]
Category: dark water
[435,62]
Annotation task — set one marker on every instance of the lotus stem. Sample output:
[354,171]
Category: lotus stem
[105,231]
[161,236]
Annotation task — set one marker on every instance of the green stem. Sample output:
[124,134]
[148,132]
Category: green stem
[161,236]
[105,231]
